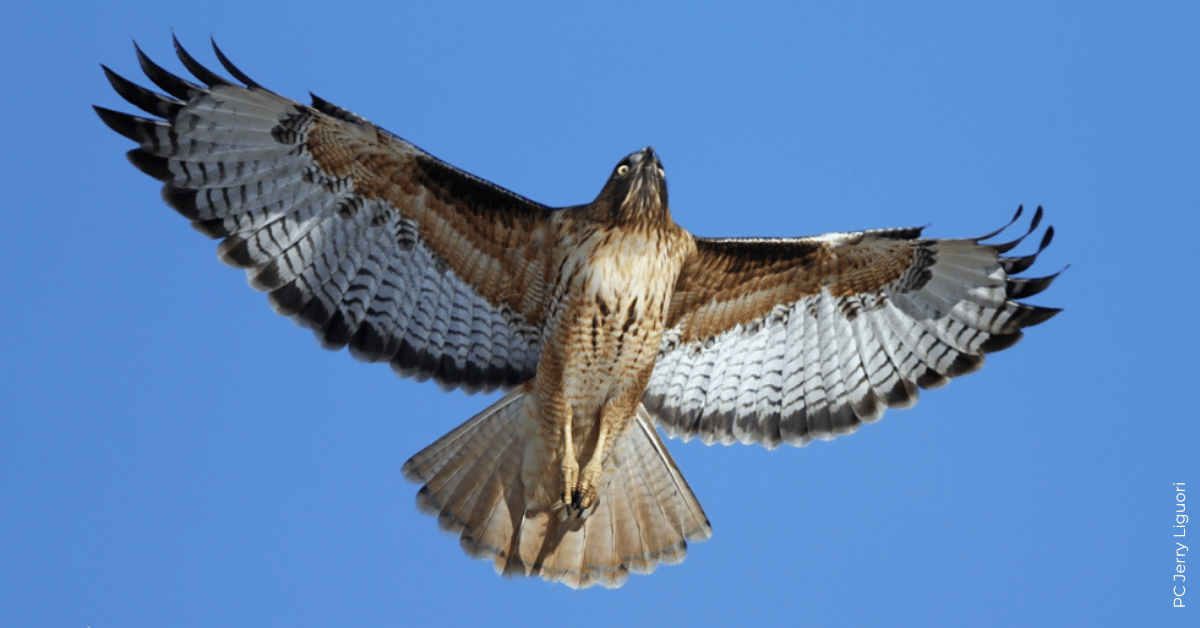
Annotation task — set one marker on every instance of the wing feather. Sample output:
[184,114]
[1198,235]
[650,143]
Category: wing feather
[353,232]
[791,340]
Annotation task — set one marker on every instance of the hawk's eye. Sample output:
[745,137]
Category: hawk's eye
[622,169]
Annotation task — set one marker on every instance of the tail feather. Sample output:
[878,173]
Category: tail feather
[645,516]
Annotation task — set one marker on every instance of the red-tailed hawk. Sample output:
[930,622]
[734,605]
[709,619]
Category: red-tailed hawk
[601,320]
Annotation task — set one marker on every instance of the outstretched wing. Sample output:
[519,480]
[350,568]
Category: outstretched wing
[774,341]
[354,232]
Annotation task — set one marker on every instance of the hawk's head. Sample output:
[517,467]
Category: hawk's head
[636,191]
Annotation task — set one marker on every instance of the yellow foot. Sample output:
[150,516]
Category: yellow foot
[570,474]
[586,495]
[579,498]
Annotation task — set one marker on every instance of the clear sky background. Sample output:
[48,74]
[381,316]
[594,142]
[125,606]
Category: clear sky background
[172,453]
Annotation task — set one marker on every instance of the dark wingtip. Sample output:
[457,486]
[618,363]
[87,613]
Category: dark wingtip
[166,81]
[1023,288]
[152,165]
[903,394]
[132,127]
[317,101]
[1014,265]
[1037,218]
[1000,342]
[235,251]
[963,364]
[141,97]
[182,200]
[1033,225]
[932,379]
[211,227]
[1038,315]
[1046,238]
[206,76]
[368,344]
[286,299]
[1011,222]
[334,332]
[233,69]
[326,107]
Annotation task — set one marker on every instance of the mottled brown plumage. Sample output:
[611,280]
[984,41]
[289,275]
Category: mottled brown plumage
[601,320]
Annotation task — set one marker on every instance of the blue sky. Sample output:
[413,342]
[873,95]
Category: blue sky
[172,453]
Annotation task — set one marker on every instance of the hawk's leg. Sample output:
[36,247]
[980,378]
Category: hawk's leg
[579,496]
[570,466]
[611,419]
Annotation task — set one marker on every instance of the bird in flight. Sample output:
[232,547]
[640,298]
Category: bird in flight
[602,321]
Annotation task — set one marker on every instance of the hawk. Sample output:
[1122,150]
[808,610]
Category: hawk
[601,321]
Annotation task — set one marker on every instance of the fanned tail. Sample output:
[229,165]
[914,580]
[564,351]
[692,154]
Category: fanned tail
[645,516]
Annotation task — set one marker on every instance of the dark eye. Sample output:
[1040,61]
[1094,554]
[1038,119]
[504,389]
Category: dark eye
[622,169]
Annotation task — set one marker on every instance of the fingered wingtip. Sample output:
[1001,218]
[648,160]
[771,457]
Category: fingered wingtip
[1011,222]
[1037,218]
[140,97]
[166,81]
[1025,288]
[1005,247]
[231,68]
[1046,238]
[1040,315]
[132,127]
[206,76]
